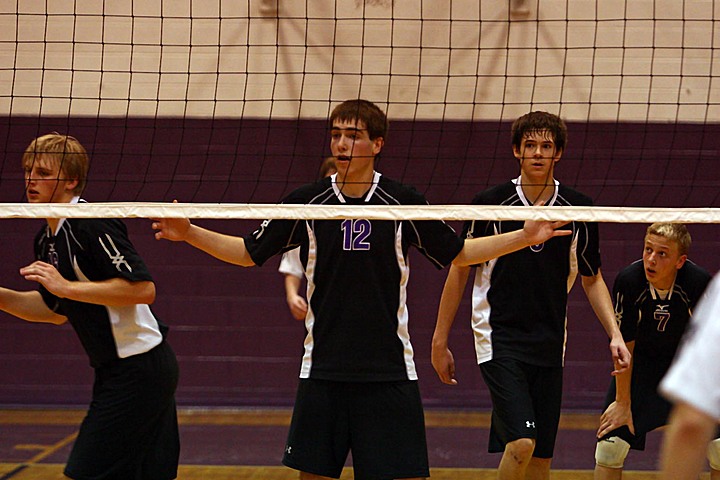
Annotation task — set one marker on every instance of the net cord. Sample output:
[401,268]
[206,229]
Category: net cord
[229,211]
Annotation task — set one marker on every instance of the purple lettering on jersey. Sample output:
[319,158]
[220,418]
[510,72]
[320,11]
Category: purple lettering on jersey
[356,233]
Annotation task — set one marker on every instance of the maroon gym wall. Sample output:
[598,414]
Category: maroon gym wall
[236,341]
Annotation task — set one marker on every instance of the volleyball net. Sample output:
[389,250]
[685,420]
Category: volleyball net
[225,102]
[222,105]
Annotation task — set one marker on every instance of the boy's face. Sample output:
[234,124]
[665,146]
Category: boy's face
[44,182]
[661,259]
[537,155]
[352,148]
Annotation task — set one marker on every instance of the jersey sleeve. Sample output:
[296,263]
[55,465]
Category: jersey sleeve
[699,279]
[435,239]
[105,252]
[290,263]
[273,237]
[626,312]
[478,228]
[588,235]
[588,248]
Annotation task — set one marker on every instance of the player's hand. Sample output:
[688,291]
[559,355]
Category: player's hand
[621,356]
[444,364]
[48,276]
[615,416]
[175,229]
[537,232]
[298,306]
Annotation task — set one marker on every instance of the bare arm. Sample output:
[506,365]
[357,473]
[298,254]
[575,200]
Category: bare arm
[597,293]
[619,412]
[28,306]
[227,248]
[442,358]
[115,292]
[682,456]
[479,250]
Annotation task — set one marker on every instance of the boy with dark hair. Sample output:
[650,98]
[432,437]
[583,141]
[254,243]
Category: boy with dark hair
[358,384]
[654,301]
[90,274]
[520,304]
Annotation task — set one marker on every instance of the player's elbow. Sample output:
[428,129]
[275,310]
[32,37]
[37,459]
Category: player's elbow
[57,319]
[462,260]
[145,293]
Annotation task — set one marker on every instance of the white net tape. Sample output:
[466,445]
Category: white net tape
[324,212]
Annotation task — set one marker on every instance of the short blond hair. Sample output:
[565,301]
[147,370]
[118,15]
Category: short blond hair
[676,232]
[67,151]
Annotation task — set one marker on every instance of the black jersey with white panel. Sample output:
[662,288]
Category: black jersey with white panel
[357,271]
[653,319]
[96,250]
[520,299]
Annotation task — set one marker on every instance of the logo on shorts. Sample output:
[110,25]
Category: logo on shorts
[529,424]
[288,449]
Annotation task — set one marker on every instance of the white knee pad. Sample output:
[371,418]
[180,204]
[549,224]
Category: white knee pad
[713,454]
[611,452]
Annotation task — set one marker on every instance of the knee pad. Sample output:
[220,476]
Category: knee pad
[611,452]
[713,454]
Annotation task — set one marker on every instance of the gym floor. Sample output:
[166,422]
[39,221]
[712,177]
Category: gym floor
[247,444]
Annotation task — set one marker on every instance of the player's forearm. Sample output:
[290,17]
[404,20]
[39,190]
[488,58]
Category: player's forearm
[28,306]
[449,301]
[479,250]
[292,285]
[115,292]
[623,380]
[601,303]
[227,248]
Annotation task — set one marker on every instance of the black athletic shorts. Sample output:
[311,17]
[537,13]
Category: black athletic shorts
[526,404]
[649,411]
[381,423]
[130,431]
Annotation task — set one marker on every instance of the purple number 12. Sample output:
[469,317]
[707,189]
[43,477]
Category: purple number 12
[356,233]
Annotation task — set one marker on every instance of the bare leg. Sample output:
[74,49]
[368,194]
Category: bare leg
[606,473]
[538,469]
[515,459]
[714,474]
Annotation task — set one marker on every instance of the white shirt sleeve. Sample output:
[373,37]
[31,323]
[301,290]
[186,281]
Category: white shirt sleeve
[694,376]
[290,263]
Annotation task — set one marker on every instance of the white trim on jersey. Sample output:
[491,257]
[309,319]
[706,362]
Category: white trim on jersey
[521,194]
[290,263]
[481,312]
[572,276]
[370,193]
[134,327]
[402,313]
[306,364]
